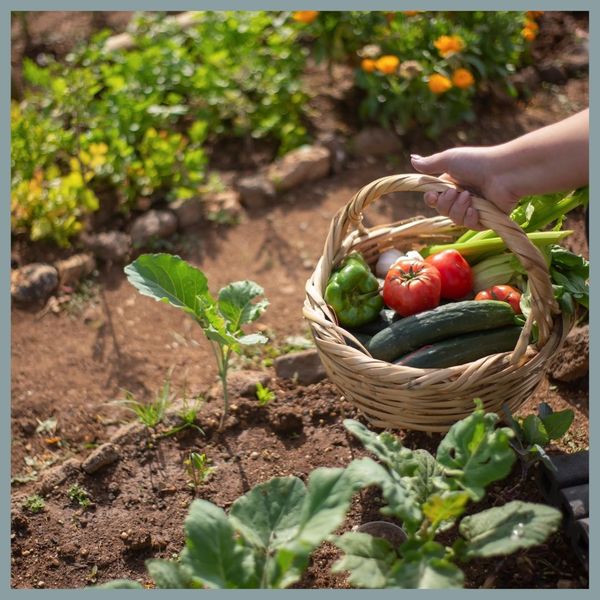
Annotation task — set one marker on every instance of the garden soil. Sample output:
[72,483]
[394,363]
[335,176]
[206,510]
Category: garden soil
[69,368]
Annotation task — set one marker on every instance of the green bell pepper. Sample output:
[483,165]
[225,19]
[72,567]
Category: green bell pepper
[353,292]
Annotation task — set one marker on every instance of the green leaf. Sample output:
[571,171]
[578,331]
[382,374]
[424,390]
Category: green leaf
[212,554]
[268,516]
[385,446]
[168,278]
[369,560]
[558,423]
[534,431]
[237,306]
[444,507]
[427,572]
[475,453]
[427,478]
[506,529]
[167,574]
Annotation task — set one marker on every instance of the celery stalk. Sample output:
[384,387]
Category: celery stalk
[499,269]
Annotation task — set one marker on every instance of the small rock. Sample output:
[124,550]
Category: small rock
[254,455]
[33,282]
[109,245]
[242,383]
[552,73]
[74,268]
[189,211]
[57,475]
[305,367]
[375,141]
[151,225]
[102,456]
[224,206]
[285,420]
[573,359]
[307,163]
[28,427]
[256,191]
[68,550]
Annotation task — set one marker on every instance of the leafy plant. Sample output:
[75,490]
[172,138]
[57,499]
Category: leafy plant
[198,469]
[534,432]
[34,503]
[428,495]
[188,416]
[267,538]
[264,395]
[77,493]
[151,413]
[170,279]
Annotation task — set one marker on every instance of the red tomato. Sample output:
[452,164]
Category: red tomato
[455,273]
[412,286]
[504,293]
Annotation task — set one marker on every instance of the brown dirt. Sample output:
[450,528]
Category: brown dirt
[69,366]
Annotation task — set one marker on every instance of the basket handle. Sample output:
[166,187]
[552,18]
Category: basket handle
[543,305]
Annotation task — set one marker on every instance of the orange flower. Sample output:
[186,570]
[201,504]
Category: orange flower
[534,14]
[305,16]
[368,65]
[529,24]
[387,64]
[439,84]
[448,44]
[528,34]
[411,13]
[463,79]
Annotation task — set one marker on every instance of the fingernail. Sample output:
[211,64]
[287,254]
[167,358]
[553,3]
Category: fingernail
[416,157]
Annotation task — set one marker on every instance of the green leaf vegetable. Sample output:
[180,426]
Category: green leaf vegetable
[429,495]
[170,279]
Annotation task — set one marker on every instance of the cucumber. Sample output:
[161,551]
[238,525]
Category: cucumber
[446,321]
[385,318]
[363,338]
[462,349]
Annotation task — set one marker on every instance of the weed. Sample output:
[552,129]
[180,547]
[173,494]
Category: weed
[188,415]
[152,413]
[34,503]
[77,493]
[263,394]
[198,469]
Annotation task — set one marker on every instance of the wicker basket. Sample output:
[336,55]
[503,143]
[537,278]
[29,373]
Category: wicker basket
[429,400]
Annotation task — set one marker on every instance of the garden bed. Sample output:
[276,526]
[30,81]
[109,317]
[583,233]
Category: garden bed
[69,365]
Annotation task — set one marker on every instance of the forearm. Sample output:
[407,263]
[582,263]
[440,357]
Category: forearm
[551,159]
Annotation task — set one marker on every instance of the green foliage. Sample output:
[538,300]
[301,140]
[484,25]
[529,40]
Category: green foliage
[172,280]
[151,413]
[534,432]
[77,493]
[135,122]
[489,45]
[199,469]
[34,504]
[428,495]
[267,538]
[264,395]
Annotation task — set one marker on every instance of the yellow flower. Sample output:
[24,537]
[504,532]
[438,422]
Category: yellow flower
[448,44]
[305,16]
[528,34]
[368,65]
[463,79]
[439,84]
[534,14]
[387,64]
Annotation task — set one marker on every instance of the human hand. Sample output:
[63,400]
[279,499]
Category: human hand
[473,170]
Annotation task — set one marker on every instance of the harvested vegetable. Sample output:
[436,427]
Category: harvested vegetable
[455,274]
[497,270]
[503,293]
[353,292]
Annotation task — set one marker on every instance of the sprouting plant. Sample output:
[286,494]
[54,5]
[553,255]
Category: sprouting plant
[151,413]
[534,432]
[77,493]
[172,280]
[188,416]
[199,469]
[47,426]
[34,503]
[264,395]
[429,495]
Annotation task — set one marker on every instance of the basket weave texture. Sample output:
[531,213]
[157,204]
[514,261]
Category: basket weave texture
[432,400]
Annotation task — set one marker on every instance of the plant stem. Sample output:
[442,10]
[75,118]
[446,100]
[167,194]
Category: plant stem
[223,362]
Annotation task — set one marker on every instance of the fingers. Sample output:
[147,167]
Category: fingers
[456,205]
[431,165]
